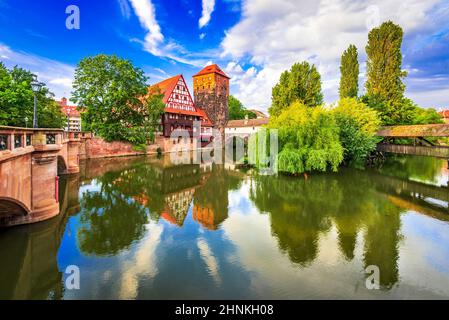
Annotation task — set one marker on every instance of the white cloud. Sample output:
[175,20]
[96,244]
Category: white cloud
[154,41]
[56,75]
[144,10]
[202,35]
[160,70]
[208,8]
[273,37]
[124,8]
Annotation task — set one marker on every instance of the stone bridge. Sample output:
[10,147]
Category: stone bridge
[30,162]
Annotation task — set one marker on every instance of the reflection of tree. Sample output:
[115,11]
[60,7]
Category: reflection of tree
[116,216]
[382,241]
[426,169]
[111,219]
[301,209]
[110,222]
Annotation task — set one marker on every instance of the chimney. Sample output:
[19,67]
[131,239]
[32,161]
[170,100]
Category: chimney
[63,101]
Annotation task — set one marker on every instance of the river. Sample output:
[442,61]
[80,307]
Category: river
[144,228]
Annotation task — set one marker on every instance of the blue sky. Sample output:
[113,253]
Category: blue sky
[252,40]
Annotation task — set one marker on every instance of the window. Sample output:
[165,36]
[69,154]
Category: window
[17,141]
[3,142]
[28,140]
[51,138]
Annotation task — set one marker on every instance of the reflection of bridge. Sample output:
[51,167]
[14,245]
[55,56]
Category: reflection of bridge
[30,161]
[29,254]
[420,197]
[419,133]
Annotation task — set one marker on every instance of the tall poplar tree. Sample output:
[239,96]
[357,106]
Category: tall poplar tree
[349,68]
[384,72]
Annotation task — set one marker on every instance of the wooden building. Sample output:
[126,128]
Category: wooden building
[180,111]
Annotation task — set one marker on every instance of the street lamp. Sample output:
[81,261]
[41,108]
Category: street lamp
[68,119]
[36,87]
[26,122]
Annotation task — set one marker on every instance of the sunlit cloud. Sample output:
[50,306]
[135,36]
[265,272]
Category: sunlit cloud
[208,8]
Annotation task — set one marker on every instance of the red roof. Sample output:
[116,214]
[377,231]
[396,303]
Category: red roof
[444,113]
[71,111]
[166,87]
[213,68]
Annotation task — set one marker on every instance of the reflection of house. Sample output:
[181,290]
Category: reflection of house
[205,216]
[72,114]
[245,126]
[445,115]
[177,206]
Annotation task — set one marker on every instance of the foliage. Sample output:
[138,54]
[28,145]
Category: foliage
[237,111]
[111,89]
[308,139]
[384,65]
[152,111]
[349,68]
[17,101]
[302,83]
[404,113]
[358,125]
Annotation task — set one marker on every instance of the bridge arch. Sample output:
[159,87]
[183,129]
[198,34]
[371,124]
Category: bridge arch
[10,207]
[62,165]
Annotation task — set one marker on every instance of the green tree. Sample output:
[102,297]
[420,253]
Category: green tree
[404,113]
[349,68]
[308,139]
[302,83]
[111,91]
[153,108]
[358,125]
[17,101]
[237,111]
[384,66]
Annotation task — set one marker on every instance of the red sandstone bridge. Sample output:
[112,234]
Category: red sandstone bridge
[30,162]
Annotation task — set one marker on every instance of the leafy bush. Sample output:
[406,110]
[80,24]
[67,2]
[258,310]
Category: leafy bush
[358,125]
[308,139]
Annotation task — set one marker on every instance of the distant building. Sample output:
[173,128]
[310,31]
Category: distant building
[211,92]
[245,126]
[445,115]
[180,111]
[259,114]
[72,114]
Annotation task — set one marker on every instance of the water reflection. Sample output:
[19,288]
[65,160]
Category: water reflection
[146,228]
[311,206]
[29,268]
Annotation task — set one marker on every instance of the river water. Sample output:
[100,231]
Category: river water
[144,228]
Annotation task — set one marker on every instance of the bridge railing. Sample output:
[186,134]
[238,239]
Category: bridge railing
[17,141]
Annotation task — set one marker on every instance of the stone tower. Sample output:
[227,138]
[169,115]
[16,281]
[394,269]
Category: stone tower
[211,92]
